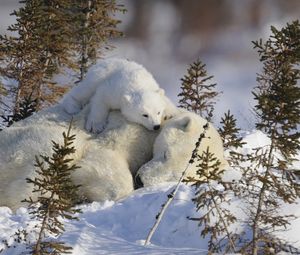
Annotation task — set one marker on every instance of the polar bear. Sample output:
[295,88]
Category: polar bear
[119,84]
[107,161]
[173,148]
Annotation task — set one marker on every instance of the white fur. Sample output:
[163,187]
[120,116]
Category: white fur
[119,84]
[107,160]
[173,148]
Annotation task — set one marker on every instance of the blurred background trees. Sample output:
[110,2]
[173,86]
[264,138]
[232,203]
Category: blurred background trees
[47,39]
[166,35]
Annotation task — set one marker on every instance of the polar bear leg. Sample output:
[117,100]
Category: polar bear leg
[97,117]
[104,174]
[79,96]
[171,110]
[71,105]
[154,172]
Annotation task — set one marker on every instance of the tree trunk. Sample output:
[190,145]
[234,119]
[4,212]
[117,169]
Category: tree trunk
[255,237]
[84,41]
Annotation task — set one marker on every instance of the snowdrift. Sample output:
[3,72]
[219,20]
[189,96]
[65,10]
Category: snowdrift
[121,227]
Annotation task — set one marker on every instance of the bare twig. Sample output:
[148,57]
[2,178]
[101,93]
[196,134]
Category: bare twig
[174,191]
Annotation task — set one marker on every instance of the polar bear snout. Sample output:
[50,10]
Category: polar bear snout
[156,127]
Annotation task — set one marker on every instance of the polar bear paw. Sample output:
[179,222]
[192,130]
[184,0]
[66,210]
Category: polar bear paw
[94,126]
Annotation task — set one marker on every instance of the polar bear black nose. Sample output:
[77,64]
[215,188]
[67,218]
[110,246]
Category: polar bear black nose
[156,127]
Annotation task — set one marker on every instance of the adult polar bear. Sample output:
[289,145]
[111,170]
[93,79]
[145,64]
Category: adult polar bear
[119,84]
[107,161]
[173,147]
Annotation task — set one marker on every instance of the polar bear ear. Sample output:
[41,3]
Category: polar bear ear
[127,98]
[161,92]
[185,124]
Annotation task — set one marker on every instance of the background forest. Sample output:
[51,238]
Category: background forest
[167,35]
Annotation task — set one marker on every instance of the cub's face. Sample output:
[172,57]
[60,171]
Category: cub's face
[145,108]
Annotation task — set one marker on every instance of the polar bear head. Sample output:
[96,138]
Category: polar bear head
[145,107]
[173,148]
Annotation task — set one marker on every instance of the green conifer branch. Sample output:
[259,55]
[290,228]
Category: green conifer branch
[269,180]
[55,195]
[210,200]
[197,94]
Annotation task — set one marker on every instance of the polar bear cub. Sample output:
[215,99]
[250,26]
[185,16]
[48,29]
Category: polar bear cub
[119,84]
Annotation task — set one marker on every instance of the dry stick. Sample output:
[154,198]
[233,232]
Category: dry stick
[174,191]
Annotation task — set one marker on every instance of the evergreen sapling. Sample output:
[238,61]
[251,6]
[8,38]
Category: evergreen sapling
[197,93]
[211,198]
[232,140]
[35,51]
[229,132]
[94,23]
[26,108]
[48,38]
[269,182]
[56,195]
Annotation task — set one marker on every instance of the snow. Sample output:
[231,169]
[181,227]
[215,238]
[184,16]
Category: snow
[121,227]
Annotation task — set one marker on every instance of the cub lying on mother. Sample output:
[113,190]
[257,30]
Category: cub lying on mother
[119,84]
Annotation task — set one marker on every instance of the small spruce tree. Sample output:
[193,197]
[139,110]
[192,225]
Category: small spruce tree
[94,24]
[47,38]
[36,49]
[3,92]
[229,132]
[26,108]
[268,182]
[210,197]
[4,107]
[232,141]
[197,93]
[56,196]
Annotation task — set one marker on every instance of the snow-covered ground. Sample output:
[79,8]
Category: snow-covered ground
[121,227]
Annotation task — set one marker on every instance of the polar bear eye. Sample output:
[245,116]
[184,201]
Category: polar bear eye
[145,115]
[158,113]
